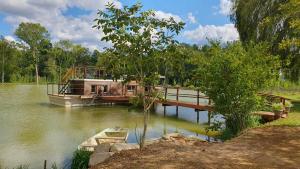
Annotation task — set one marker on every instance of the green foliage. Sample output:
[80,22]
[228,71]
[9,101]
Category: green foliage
[23,167]
[137,102]
[275,22]
[232,76]
[288,104]
[136,37]
[35,36]
[277,106]
[81,159]
[18,61]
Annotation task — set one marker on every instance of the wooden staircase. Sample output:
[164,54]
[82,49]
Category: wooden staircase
[70,73]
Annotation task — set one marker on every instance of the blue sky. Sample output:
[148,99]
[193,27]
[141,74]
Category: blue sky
[72,19]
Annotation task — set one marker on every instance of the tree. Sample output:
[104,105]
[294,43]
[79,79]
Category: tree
[111,63]
[3,45]
[232,76]
[136,37]
[276,22]
[33,35]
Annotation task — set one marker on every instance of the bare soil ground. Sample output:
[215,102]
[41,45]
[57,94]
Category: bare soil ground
[268,147]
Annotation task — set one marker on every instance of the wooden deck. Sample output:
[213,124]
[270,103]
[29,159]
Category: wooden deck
[200,107]
[268,116]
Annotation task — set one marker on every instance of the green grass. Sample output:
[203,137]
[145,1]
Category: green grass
[295,96]
[293,118]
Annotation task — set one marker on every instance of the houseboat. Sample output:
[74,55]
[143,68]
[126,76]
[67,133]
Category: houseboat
[87,86]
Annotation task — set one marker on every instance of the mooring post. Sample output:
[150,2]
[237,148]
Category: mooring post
[177,98]
[209,112]
[45,164]
[166,92]
[197,116]
[198,101]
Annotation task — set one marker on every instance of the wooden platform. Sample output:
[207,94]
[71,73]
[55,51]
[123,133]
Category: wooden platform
[268,116]
[200,107]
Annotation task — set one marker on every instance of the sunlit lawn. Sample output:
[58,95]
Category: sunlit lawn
[290,94]
[293,118]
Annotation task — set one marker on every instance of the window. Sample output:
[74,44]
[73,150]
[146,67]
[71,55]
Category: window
[105,88]
[130,88]
[93,88]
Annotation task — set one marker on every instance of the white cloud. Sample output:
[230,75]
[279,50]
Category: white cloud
[191,18]
[10,38]
[225,7]
[164,15]
[50,14]
[224,33]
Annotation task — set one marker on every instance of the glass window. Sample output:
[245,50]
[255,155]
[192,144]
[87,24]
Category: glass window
[93,88]
[130,88]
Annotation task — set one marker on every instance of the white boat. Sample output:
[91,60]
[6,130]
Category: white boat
[109,135]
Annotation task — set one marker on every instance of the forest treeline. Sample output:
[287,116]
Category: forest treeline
[276,24]
[22,60]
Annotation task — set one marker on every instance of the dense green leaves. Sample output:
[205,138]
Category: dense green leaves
[35,36]
[232,76]
[276,22]
[20,62]
[136,37]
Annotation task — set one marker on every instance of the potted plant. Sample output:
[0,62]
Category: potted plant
[277,109]
[288,106]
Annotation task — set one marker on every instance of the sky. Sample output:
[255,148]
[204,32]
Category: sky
[73,19]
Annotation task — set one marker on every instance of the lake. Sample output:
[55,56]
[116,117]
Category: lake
[32,130]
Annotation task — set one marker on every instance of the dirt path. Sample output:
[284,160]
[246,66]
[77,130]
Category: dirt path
[270,147]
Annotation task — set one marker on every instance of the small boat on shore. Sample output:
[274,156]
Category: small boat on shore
[109,135]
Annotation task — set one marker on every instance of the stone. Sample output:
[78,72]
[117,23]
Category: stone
[104,147]
[97,158]
[170,135]
[117,147]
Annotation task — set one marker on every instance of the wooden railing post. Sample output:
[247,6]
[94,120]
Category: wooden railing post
[166,93]
[198,97]
[198,101]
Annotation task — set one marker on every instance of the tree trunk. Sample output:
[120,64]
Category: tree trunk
[145,123]
[36,67]
[59,73]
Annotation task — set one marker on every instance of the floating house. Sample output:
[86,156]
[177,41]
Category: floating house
[86,86]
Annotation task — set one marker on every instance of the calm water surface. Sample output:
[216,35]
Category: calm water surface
[32,130]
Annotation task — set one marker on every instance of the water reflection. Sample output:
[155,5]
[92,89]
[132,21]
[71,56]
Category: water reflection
[32,130]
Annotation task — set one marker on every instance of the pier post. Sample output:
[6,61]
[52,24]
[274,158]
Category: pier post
[45,164]
[177,98]
[197,116]
[209,113]
[198,101]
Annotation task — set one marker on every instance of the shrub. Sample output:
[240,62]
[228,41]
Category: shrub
[277,106]
[81,159]
[288,104]
[231,76]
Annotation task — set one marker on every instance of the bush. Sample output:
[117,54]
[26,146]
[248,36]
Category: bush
[81,159]
[277,106]
[231,76]
[137,102]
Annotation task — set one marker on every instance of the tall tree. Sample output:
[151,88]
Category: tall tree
[3,46]
[136,37]
[33,35]
[276,22]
